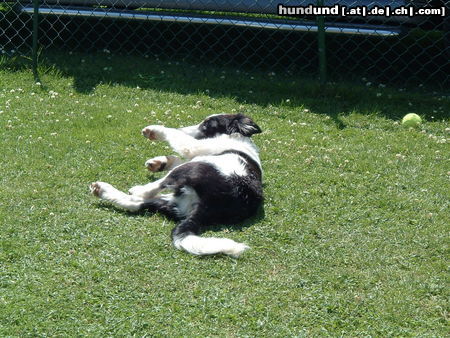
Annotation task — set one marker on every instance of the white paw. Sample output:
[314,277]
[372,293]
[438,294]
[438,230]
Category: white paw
[153,132]
[156,164]
[99,189]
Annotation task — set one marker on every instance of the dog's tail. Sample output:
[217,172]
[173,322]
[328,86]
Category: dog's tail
[186,237]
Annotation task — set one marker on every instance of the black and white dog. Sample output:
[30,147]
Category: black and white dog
[219,181]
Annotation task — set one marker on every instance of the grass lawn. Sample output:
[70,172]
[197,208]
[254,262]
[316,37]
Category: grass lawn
[353,239]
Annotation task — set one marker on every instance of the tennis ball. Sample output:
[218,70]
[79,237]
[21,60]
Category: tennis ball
[411,120]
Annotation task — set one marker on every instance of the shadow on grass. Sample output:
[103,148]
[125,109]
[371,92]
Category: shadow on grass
[259,88]
[258,217]
[264,89]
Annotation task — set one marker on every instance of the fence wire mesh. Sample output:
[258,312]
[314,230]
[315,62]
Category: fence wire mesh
[403,49]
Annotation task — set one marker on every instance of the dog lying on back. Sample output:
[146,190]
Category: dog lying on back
[218,180]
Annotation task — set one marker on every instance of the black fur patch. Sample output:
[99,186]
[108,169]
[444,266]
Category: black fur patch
[227,124]
[223,199]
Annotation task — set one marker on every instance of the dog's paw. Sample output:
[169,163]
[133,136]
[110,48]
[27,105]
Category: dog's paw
[156,164]
[94,188]
[99,188]
[153,132]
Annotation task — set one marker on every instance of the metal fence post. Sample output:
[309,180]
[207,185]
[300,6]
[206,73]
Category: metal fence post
[321,43]
[35,39]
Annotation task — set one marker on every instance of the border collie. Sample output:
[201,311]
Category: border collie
[218,181]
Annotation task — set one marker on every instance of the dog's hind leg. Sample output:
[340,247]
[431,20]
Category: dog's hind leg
[118,198]
[148,190]
[121,200]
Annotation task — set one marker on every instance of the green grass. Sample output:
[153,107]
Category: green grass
[353,240]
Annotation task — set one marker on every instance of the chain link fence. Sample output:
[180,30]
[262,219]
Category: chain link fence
[351,40]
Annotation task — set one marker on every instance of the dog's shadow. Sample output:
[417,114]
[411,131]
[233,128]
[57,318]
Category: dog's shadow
[260,215]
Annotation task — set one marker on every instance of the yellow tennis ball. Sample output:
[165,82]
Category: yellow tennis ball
[411,120]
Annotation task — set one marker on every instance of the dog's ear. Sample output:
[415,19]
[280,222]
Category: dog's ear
[244,126]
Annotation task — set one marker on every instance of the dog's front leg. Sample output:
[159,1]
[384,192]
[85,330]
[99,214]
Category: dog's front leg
[180,142]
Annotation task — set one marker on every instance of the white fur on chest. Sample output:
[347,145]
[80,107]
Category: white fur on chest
[227,164]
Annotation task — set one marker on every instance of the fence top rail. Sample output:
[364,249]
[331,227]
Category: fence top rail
[245,6]
[302,26]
